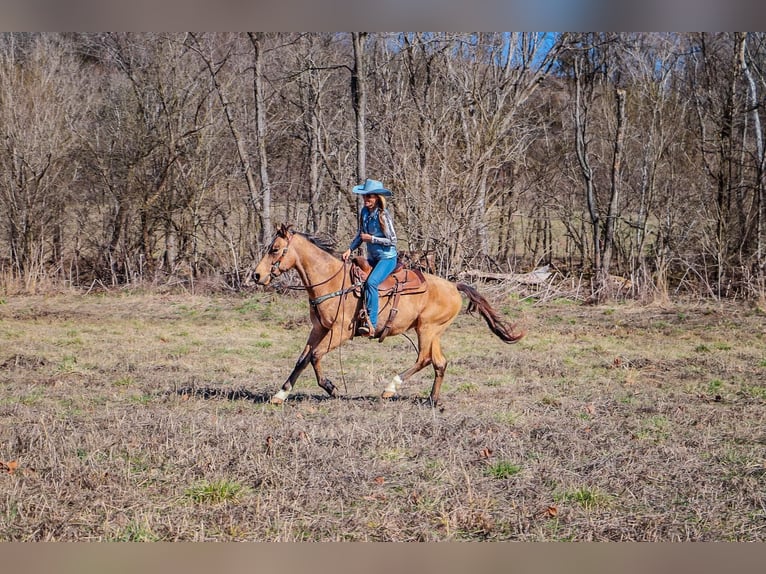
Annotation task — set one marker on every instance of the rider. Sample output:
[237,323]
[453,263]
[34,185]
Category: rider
[376,229]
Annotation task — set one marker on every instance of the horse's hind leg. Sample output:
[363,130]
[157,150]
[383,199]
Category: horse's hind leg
[440,366]
[425,341]
[430,354]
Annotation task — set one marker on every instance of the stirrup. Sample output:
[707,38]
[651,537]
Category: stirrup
[363,329]
[364,326]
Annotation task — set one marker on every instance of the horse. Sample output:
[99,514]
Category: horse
[334,302]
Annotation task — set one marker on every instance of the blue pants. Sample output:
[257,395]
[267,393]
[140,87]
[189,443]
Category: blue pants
[381,270]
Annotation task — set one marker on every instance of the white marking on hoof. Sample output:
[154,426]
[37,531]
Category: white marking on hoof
[393,388]
[280,397]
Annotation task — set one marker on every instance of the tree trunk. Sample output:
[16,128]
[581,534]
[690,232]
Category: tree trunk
[760,165]
[259,208]
[614,199]
[359,99]
[581,148]
[260,123]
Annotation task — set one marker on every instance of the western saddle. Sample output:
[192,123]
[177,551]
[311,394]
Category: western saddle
[402,281]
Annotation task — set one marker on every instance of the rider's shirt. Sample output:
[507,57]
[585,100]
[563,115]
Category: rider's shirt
[383,244]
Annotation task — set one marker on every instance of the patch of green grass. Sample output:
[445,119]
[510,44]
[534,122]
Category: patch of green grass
[179,351]
[587,498]
[68,364]
[393,454]
[249,306]
[125,381]
[494,382]
[553,527]
[754,391]
[714,387]
[142,399]
[137,463]
[214,492]
[509,418]
[34,397]
[627,399]
[503,469]
[722,346]
[467,388]
[655,428]
[432,469]
[267,313]
[135,532]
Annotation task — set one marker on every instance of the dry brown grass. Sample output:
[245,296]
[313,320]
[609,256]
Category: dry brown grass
[146,417]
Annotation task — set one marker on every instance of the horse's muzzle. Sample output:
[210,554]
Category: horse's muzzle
[258,280]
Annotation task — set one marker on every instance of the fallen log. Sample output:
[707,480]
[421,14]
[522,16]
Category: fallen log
[536,277]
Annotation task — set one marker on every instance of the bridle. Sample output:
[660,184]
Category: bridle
[275,266]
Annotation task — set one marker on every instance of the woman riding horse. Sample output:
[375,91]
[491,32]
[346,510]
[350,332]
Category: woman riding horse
[376,229]
[333,304]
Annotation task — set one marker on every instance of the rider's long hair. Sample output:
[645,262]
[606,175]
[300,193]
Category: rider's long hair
[381,209]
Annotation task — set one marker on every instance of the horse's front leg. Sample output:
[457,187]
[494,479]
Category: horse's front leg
[321,341]
[287,386]
[331,340]
[317,334]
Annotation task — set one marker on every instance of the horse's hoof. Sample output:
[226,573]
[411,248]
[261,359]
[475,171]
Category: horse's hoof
[329,388]
[392,389]
[280,397]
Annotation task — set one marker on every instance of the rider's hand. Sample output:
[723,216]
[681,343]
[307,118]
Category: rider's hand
[346,255]
[366,237]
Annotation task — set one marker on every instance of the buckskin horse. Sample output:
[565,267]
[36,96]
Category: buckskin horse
[428,307]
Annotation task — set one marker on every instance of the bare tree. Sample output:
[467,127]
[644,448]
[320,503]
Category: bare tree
[39,106]
[758,212]
[359,101]
[207,53]
[256,39]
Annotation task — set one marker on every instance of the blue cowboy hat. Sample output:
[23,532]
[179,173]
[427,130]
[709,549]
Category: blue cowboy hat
[372,186]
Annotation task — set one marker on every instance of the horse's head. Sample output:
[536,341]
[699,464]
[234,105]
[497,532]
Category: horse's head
[278,258]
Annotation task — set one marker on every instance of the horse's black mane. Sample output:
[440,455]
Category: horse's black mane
[326,244]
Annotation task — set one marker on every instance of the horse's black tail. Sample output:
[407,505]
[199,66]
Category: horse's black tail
[495,322]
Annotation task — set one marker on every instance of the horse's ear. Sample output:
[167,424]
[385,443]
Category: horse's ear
[283,229]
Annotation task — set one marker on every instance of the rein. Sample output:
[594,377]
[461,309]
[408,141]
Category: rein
[275,268]
[326,281]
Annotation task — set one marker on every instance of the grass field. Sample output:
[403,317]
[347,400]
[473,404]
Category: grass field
[143,417]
